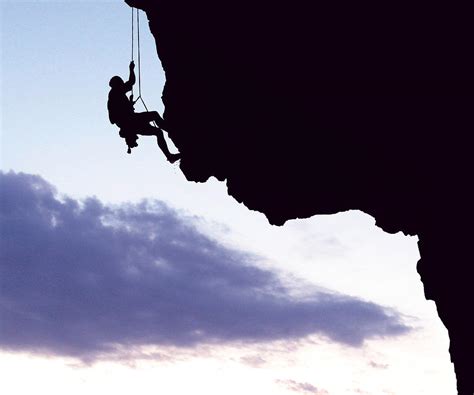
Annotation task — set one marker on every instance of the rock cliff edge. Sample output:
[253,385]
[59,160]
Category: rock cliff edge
[309,108]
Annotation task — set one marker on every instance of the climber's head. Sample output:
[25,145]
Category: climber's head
[116,82]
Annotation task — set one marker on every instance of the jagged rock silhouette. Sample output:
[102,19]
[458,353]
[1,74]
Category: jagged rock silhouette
[309,108]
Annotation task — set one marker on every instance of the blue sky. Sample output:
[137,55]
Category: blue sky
[116,271]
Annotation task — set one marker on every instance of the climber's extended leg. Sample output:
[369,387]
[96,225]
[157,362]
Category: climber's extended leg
[164,147]
[149,130]
[143,127]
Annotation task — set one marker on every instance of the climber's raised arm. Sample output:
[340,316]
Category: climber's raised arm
[131,78]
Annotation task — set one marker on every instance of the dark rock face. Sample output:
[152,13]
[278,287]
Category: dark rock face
[308,108]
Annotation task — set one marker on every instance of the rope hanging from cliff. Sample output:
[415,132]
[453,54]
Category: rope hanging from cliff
[137,11]
[138,57]
[132,34]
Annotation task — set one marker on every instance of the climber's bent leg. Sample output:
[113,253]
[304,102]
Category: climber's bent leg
[151,116]
[148,130]
[159,121]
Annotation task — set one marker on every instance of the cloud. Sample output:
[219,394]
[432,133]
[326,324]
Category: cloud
[254,361]
[83,278]
[302,388]
[378,365]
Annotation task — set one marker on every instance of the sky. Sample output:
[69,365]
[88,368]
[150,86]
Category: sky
[119,276]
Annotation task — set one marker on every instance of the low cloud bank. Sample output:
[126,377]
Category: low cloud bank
[81,278]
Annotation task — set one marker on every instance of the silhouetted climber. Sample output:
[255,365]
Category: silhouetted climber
[131,124]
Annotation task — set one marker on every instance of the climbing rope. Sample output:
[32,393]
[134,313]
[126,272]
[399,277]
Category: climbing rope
[138,59]
[137,28]
[132,39]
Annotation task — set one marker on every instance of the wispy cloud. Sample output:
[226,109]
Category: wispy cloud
[302,388]
[377,365]
[81,278]
[255,361]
